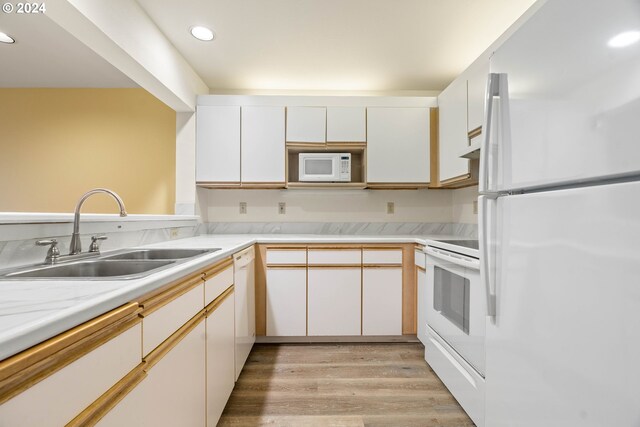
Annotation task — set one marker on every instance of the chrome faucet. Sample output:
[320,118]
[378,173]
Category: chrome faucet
[76,246]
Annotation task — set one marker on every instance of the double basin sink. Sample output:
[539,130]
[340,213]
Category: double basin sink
[130,264]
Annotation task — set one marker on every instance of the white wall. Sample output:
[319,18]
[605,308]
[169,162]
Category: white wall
[462,201]
[328,205]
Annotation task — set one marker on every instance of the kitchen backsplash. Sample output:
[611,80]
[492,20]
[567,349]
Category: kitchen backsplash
[17,241]
[20,251]
[358,228]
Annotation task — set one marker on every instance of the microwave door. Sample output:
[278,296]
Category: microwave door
[318,168]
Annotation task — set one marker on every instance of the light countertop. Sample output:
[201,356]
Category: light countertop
[32,311]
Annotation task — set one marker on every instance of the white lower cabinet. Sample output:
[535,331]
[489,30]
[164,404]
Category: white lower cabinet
[172,394]
[220,359]
[57,399]
[382,301]
[334,301]
[287,301]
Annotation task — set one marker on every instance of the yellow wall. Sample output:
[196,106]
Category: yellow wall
[55,144]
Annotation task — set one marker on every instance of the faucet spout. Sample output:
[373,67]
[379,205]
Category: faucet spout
[76,246]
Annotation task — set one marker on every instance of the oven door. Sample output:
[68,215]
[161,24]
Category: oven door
[456,306]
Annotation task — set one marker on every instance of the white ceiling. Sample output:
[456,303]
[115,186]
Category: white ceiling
[45,55]
[350,45]
[387,46]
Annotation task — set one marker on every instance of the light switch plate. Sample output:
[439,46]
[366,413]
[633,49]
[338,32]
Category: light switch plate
[282,208]
[475,207]
[243,207]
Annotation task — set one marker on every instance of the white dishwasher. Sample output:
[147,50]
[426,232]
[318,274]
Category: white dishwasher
[245,305]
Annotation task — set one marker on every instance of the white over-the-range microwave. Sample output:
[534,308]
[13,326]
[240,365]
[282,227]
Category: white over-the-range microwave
[324,167]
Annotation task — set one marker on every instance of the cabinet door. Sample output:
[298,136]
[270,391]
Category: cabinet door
[245,306]
[220,359]
[398,145]
[421,296]
[57,399]
[160,324]
[382,301]
[172,394]
[306,124]
[453,138]
[263,144]
[334,301]
[287,302]
[477,85]
[217,144]
[346,124]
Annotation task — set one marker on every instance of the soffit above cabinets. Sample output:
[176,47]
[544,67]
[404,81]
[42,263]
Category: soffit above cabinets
[46,55]
[333,45]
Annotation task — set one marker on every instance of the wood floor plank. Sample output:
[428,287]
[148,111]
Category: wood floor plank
[341,385]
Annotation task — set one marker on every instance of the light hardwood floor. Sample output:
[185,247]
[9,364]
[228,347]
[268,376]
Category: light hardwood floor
[300,385]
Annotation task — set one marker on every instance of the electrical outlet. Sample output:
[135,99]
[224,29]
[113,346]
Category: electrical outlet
[282,208]
[243,208]
[391,207]
[173,233]
[475,207]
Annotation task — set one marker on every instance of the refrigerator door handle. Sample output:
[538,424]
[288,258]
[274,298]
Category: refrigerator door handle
[487,261]
[493,90]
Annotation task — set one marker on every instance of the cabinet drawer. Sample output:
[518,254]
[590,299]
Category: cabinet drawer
[379,256]
[335,256]
[420,259]
[286,256]
[57,399]
[160,324]
[217,284]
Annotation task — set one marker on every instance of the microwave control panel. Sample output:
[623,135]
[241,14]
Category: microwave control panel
[345,168]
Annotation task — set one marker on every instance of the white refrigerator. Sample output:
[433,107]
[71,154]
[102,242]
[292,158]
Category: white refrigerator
[560,218]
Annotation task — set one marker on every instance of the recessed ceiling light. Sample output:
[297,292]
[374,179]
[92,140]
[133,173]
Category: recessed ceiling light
[5,38]
[202,33]
[624,39]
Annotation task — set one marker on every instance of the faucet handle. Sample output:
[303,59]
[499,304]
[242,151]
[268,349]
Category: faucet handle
[95,245]
[53,253]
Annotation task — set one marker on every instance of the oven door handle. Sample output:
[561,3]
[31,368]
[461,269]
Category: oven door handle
[458,260]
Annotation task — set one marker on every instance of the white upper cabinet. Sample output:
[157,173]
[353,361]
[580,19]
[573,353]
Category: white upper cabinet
[218,144]
[398,145]
[477,76]
[453,138]
[306,124]
[263,147]
[346,124]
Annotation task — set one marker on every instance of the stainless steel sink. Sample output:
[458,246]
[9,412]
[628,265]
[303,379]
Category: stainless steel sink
[97,268]
[160,254]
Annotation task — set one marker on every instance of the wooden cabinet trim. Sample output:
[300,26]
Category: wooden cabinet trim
[420,268]
[101,406]
[220,185]
[434,153]
[167,345]
[211,308]
[475,132]
[332,266]
[152,304]
[286,266]
[381,265]
[397,185]
[19,372]
[220,266]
